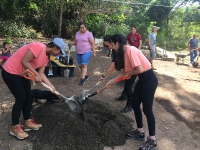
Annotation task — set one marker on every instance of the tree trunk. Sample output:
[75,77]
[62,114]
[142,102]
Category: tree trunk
[60,20]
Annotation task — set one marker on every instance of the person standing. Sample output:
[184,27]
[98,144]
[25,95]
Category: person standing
[84,42]
[133,39]
[31,56]
[193,47]
[152,46]
[133,62]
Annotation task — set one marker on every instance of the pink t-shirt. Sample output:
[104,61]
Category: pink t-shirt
[13,64]
[82,42]
[133,58]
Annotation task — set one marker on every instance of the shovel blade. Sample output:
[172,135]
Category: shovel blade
[50,72]
[67,73]
[74,106]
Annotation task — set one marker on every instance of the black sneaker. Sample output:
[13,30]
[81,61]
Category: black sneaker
[86,78]
[136,134]
[126,109]
[150,144]
[82,81]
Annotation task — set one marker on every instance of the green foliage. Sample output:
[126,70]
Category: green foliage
[118,28]
[13,29]
[8,40]
[159,13]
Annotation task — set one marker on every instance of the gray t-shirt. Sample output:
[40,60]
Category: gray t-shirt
[193,43]
[152,37]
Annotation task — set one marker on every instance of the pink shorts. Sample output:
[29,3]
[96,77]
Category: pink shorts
[4,57]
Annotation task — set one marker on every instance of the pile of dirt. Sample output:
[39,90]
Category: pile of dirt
[100,125]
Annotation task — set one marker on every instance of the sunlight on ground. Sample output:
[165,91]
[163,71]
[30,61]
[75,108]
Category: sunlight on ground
[169,143]
[187,115]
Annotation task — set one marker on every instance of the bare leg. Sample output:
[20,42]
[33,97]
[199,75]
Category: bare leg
[83,71]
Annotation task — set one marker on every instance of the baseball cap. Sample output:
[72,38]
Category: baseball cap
[60,43]
[154,28]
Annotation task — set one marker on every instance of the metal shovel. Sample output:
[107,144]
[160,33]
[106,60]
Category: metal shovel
[50,69]
[82,95]
[82,98]
[72,102]
[68,57]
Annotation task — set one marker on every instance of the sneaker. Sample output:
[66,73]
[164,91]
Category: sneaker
[82,82]
[150,144]
[86,78]
[136,134]
[18,132]
[30,124]
[126,109]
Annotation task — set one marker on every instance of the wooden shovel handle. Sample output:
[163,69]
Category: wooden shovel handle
[116,81]
[49,88]
[103,88]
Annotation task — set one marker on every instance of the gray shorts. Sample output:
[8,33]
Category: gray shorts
[153,52]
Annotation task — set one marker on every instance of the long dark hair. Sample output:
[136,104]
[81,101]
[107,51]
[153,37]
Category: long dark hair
[119,62]
[107,38]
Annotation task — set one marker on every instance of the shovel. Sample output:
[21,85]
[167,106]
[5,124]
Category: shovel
[68,57]
[83,98]
[50,69]
[72,102]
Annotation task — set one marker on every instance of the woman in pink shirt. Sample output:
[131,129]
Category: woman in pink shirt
[133,62]
[32,56]
[84,42]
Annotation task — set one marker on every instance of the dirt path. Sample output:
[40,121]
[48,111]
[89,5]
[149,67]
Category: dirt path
[176,106]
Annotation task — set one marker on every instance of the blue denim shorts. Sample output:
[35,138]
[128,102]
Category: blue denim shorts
[83,59]
[153,52]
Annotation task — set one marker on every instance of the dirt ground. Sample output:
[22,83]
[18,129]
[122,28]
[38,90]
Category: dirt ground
[176,106]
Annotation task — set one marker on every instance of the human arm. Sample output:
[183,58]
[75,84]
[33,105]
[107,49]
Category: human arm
[109,71]
[44,78]
[11,52]
[5,50]
[137,70]
[140,44]
[149,40]
[28,57]
[73,42]
[113,80]
[93,47]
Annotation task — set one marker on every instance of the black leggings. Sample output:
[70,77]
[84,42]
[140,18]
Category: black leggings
[21,89]
[144,93]
[128,88]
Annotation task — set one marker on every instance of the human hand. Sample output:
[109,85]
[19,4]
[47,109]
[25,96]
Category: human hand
[38,78]
[53,89]
[101,79]
[109,83]
[93,54]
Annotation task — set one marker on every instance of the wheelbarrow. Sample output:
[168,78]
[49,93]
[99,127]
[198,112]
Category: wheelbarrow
[181,57]
[73,104]
[83,98]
